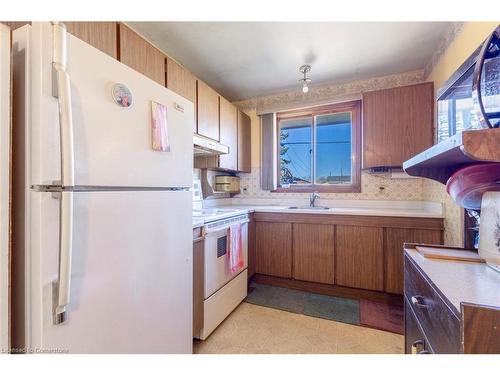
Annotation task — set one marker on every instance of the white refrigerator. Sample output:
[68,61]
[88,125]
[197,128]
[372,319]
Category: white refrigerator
[102,231]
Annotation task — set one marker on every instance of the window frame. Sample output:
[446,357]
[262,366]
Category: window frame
[352,106]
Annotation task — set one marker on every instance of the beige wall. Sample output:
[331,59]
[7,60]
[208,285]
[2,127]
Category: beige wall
[466,41]
[372,187]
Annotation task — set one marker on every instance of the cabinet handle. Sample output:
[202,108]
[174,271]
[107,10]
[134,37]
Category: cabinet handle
[415,345]
[419,302]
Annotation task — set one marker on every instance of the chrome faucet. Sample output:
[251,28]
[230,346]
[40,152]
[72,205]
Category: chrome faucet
[312,199]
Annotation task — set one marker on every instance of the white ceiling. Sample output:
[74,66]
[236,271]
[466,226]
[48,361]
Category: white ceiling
[243,60]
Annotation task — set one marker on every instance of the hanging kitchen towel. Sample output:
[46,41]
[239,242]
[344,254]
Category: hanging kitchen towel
[236,261]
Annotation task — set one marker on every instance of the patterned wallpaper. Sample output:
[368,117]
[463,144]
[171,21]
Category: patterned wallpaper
[328,93]
[393,189]
[453,214]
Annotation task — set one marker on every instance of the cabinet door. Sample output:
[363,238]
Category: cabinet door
[244,143]
[360,257]
[313,253]
[101,35]
[394,240]
[273,249]
[180,80]
[208,111]
[16,24]
[229,134]
[397,124]
[141,56]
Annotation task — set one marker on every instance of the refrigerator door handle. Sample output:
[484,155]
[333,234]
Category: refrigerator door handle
[65,252]
[62,90]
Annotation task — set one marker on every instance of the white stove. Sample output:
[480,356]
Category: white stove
[223,289]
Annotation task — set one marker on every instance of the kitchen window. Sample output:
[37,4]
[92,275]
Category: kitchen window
[319,149]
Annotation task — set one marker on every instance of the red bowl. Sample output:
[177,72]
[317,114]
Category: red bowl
[467,185]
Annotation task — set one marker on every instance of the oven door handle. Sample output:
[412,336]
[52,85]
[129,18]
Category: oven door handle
[224,227]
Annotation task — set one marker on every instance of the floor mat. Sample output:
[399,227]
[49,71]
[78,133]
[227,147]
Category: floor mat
[334,308]
[382,316]
[386,317]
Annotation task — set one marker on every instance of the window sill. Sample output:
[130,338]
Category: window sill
[319,189]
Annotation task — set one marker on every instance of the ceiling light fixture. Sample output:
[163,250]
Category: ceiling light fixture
[304,69]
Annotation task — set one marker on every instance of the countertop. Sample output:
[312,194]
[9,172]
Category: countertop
[362,208]
[461,281]
[367,211]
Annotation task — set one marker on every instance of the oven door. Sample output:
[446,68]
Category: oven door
[217,272]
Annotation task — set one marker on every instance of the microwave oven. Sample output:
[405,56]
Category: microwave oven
[470,98]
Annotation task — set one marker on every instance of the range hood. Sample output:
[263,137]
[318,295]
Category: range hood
[208,147]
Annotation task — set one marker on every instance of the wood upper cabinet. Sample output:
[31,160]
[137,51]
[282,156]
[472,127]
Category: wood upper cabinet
[15,24]
[360,257]
[273,249]
[244,143]
[229,134]
[394,256]
[141,56]
[208,111]
[313,253]
[397,124]
[101,35]
[180,80]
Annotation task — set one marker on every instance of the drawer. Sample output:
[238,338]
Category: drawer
[439,324]
[415,340]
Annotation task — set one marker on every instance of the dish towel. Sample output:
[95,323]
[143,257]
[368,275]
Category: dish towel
[236,261]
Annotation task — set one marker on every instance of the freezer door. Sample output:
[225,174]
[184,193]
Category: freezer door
[131,277]
[113,143]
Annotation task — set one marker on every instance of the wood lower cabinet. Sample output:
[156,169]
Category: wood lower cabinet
[314,253]
[251,249]
[198,282]
[352,251]
[273,249]
[140,55]
[441,317]
[397,124]
[244,143]
[101,35]
[229,134]
[415,341]
[393,255]
[208,111]
[360,257]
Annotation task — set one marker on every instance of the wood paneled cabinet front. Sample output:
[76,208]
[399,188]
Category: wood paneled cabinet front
[394,240]
[244,143]
[182,82]
[101,35]
[360,257]
[273,249]
[207,111]
[314,253]
[229,134]
[397,124]
[140,55]
[364,252]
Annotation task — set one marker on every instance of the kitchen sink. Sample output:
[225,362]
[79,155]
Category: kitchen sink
[308,208]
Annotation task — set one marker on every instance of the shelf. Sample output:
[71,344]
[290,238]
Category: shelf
[440,161]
